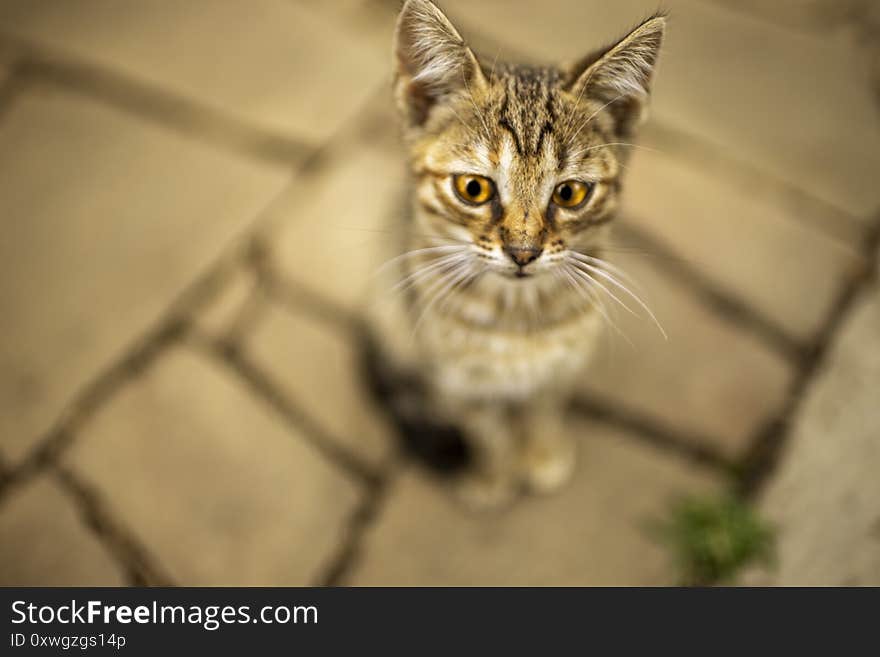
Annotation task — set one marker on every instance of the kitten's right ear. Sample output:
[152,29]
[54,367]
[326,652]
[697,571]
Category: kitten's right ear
[431,60]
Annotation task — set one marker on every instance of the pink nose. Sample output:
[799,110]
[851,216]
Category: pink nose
[523,255]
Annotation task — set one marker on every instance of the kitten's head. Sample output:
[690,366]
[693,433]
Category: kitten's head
[523,163]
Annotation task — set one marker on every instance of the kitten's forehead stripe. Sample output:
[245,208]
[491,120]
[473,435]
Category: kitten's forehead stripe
[529,106]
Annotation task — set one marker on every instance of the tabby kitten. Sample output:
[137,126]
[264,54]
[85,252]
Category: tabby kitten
[515,177]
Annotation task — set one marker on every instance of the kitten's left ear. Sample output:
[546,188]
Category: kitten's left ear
[621,74]
[431,60]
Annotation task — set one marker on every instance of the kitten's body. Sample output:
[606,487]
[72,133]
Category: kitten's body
[500,292]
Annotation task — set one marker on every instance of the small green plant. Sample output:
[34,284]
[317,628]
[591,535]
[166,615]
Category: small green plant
[713,538]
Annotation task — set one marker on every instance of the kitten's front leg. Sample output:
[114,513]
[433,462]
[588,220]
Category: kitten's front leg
[547,451]
[492,480]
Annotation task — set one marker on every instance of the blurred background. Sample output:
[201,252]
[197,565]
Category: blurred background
[181,400]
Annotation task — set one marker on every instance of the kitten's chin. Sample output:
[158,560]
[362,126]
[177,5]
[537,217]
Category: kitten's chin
[514,275]
[524,275]
[518,275]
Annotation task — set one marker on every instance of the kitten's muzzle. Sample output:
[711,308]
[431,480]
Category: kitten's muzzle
[523,255]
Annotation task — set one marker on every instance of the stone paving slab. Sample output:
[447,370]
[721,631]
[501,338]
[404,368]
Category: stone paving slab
[285,67]
[219,317]
[134,215]
[45,542]
[773,260]
[815,15]
[6,63]
[871,14]
[211,482]
[591,533]
[336,230]
[317,365]
[825,497]
[708,378]
[783,100]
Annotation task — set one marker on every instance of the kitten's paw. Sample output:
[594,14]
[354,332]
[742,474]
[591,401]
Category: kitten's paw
[547,468]
[481,492]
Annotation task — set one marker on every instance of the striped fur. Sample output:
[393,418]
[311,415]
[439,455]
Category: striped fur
[499,344]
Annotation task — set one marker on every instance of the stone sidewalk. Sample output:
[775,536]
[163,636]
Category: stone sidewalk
[180,397]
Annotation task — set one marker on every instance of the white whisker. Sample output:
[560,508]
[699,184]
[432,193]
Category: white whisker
[446,262]
[604,264]
[427,294]
[586,274]
[583,287]
[449,248]
[443,287]
[445,304]
[604,274]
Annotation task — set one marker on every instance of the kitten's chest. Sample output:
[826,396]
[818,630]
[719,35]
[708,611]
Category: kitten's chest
[489,362]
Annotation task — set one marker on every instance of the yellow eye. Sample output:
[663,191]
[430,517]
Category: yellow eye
[571,193]
[473,189]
